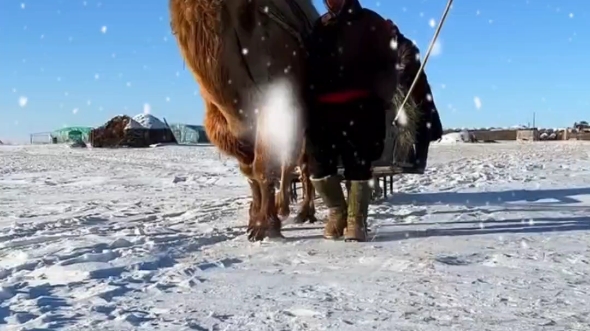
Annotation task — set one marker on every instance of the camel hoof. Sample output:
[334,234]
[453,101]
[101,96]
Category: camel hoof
[274,234]
[256,233]
[260,230]
[302,219]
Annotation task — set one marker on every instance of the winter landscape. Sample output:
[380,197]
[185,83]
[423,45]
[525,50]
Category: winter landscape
[492,237]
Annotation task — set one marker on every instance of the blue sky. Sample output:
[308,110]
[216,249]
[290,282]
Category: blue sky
[79,62]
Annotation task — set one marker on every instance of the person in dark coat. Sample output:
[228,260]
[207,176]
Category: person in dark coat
[352,78]
[429,126]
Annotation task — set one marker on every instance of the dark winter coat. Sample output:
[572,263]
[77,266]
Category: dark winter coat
[351,51]
[409,63]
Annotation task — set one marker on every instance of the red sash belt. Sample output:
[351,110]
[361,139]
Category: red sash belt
[343,96]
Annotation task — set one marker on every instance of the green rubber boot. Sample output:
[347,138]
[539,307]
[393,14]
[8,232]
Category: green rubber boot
[358,207]
[330,191]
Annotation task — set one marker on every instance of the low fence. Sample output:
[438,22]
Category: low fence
[40,138]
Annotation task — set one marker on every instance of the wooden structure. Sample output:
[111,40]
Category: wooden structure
[382,176]
[527,135]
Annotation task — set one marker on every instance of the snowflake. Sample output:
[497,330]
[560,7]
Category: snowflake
[477,102]
[393,44]
[103,29]
[432,23]
[22,101]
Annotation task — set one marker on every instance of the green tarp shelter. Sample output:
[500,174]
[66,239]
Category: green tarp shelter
[188,134]
[71,134]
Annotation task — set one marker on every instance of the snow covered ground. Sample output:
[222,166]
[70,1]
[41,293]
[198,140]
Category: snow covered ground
[492,237]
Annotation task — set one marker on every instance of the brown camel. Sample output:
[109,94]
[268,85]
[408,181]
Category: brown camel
[235,48]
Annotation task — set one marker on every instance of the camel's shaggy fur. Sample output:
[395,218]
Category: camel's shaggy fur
[209,34]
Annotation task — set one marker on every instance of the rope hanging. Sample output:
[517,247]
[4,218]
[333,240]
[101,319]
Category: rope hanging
[423,64]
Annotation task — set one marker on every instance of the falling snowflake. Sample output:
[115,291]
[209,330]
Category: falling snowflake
[436,48]
[477,102]
[22,101]
[245,51]
[75,111]
[571,15]
[402,118]
[393,44]
[96,76]
[167,99]
[432,23]
[103,29]
[22,5]
[147,109]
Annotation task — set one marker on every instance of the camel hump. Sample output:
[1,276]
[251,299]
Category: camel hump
[260,38]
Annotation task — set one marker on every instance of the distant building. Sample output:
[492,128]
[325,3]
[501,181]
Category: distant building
[189,134]
[528,135]
[71,134]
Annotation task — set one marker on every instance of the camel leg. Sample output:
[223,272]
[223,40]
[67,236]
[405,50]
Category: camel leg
[283,196]
[307,208]
[266,223]
[377,190]
[246,169]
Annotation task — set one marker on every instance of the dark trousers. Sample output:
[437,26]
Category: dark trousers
[352,132]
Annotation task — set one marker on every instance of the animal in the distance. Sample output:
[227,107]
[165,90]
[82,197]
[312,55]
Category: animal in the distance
[234,49]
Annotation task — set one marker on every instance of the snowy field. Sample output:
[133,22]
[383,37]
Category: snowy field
[493,237]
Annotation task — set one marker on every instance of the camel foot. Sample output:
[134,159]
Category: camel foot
[259,230]
[302,218]
[283,209]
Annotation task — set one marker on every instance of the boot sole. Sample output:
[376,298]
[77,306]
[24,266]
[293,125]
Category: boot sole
[353,240]
[333,237]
